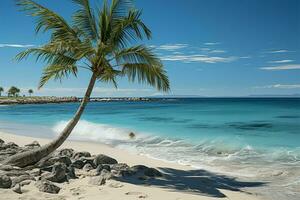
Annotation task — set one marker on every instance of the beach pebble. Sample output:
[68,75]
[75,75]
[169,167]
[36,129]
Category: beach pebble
[5,181]
[103,159]
[47,186]
[17,189]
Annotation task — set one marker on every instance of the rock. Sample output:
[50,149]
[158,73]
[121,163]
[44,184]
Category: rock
[19,179]
[35,172]
[11,145]
[131,135]
[17,189]
[77,155]
[34,144]
[138,168]
[2,141]
[101,179]
[65,152]
[101,167]
[88,160]
[47,186]
[120,167]
[141,169]
[103,159]
[26,182]
[78,164]
[152,172]
[87,167]
[51,160]
[58,173]
[97,180]
[71,172]
[5,181]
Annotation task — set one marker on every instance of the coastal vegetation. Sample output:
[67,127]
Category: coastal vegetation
[13,91]
[30,92]
[106,40]
[1,90]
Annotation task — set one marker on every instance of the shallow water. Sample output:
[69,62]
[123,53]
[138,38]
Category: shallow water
[258,138]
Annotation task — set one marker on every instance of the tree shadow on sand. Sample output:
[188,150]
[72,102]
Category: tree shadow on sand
[194,181]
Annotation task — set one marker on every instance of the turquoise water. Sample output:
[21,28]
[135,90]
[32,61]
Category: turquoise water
[255,137]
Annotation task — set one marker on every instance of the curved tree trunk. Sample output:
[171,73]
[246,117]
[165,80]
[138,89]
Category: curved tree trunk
[33,156]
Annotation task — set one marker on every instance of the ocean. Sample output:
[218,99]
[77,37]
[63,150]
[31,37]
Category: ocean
[257,138]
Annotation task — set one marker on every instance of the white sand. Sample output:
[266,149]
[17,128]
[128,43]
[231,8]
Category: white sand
[185,183]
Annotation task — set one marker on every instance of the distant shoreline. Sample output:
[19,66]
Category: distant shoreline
[48,100]
[53,99]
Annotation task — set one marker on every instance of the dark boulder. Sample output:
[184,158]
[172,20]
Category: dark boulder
[5,181]
[80,154]
[58,173]
[103,159]
[78,164]
[65,152]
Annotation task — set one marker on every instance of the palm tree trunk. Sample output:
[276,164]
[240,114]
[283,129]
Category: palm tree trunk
[33,156]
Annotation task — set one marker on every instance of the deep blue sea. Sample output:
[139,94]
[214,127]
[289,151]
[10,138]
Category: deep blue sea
[255,137]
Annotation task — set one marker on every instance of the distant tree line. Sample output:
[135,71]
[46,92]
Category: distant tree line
[13,91]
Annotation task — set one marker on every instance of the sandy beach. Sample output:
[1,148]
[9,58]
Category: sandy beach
[178,182]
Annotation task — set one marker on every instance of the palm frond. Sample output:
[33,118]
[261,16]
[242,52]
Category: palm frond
[84,19]
[109,75]
[47,55]
[48,20]
[119,8]
[137,54]
[128,29]
[57,72]
[153,75]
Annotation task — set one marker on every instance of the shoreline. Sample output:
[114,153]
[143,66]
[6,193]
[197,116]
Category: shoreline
[191,191]
[53,99]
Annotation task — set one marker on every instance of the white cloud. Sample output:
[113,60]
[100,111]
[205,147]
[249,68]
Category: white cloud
[280,61]
[16,45]
[278,51]
[217,51]
[279,86]
[282,67]
[171,47]
[245,57]
[211,43]
[198,58]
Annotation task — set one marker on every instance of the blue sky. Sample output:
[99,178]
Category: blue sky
[209,48]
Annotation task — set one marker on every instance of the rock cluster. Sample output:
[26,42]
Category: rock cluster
[62,166]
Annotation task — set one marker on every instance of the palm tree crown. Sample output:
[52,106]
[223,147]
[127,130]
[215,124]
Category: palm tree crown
[101,39]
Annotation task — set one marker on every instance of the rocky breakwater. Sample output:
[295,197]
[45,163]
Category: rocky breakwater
[36,100]
[52,172]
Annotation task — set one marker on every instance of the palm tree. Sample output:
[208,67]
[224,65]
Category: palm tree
[1,90]
[30,91]
[105,40]
[13,91]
